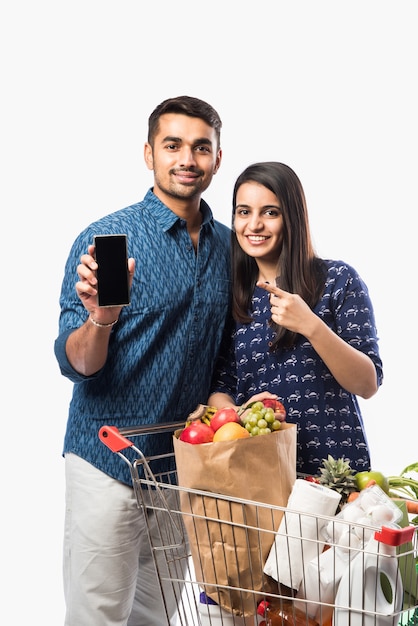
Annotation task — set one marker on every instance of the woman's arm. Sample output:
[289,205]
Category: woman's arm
[221,400]
[353,369]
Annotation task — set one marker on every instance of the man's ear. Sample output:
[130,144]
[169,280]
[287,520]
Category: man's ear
[218,160]
[149,161]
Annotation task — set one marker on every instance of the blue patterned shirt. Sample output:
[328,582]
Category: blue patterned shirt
[164,347]
[327,416]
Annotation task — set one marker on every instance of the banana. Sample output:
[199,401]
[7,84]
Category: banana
[208,414]
[202,413]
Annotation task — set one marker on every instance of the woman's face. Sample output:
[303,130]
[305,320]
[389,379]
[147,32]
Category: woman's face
[258,222]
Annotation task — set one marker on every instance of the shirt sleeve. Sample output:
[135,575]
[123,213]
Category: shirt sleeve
[65,366]
[73,313]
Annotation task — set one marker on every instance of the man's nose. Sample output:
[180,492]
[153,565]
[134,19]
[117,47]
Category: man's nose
[187,157]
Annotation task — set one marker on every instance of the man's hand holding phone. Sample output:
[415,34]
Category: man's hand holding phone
[105,275]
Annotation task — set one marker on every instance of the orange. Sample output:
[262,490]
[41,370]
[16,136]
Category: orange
[229,431]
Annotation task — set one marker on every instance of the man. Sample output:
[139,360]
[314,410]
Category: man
[145,363]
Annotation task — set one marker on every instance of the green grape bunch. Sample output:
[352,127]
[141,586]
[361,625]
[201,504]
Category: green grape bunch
[260,420]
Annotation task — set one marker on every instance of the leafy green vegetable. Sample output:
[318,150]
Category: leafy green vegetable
[405,484]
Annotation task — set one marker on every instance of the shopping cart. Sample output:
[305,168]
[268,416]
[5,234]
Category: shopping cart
[369,579]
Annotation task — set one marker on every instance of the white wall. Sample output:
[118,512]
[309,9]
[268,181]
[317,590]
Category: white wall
[327,87]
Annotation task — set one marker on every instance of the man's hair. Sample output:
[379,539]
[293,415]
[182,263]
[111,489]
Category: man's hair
[185,105]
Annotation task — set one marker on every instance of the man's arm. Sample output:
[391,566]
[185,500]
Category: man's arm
[87,346]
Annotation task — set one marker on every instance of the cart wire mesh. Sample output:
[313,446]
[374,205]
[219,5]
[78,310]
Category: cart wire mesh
[203,544]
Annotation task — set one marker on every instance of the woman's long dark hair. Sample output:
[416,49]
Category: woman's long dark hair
[301,270]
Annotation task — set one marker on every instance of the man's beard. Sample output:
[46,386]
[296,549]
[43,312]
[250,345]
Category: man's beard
[181,190]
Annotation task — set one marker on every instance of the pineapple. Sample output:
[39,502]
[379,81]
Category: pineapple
[338,475]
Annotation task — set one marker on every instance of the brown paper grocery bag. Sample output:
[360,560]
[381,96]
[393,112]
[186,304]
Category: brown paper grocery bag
[231,540]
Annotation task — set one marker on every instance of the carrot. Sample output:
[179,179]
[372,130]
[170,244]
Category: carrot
[353,496]
[411,505]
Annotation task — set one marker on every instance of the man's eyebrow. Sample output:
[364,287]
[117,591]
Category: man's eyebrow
[196,142]
[173,139]
[204,140]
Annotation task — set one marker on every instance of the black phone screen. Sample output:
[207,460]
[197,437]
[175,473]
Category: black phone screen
[112,270]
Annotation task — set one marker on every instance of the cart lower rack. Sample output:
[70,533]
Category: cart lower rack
[358,575]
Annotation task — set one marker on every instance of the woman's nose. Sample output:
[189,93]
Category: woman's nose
[255,222]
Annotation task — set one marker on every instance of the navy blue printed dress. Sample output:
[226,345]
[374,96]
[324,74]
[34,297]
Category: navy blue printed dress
[327,416]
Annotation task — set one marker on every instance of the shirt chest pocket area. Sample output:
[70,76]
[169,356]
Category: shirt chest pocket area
[147,300]
[215,293]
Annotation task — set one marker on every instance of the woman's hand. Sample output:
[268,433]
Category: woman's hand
[290,311]
[279,412]
[222,400]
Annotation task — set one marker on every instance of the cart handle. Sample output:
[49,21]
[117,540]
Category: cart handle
[394,536]
[111,437]
[116,439]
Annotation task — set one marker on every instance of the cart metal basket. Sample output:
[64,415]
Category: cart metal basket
[371,581]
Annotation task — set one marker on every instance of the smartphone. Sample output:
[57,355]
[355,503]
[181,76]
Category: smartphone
[112,270]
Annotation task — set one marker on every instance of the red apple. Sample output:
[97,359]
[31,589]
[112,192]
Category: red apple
[197,432]
[276,405]
[223,416]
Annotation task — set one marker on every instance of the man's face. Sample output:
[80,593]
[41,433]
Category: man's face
[184,157]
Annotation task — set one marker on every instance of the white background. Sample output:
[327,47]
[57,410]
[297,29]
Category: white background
[327,87]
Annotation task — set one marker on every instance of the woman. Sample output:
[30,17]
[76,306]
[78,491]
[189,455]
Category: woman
[303,327]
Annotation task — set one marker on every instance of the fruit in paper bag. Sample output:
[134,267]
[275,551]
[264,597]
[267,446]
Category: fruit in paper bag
[277,406]
[259,419]
[202,413]
[230,431]
[197,432]
[224,416]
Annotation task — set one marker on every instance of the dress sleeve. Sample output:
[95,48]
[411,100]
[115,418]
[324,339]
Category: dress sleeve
[224,378]
[354,316]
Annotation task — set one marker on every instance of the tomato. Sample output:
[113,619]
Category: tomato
[362,478]
[197,432]
[312,479]
[223,416]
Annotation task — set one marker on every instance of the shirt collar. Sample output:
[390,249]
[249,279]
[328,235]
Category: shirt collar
[165,216]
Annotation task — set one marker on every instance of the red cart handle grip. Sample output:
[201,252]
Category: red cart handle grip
[395,536]
[111,437]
